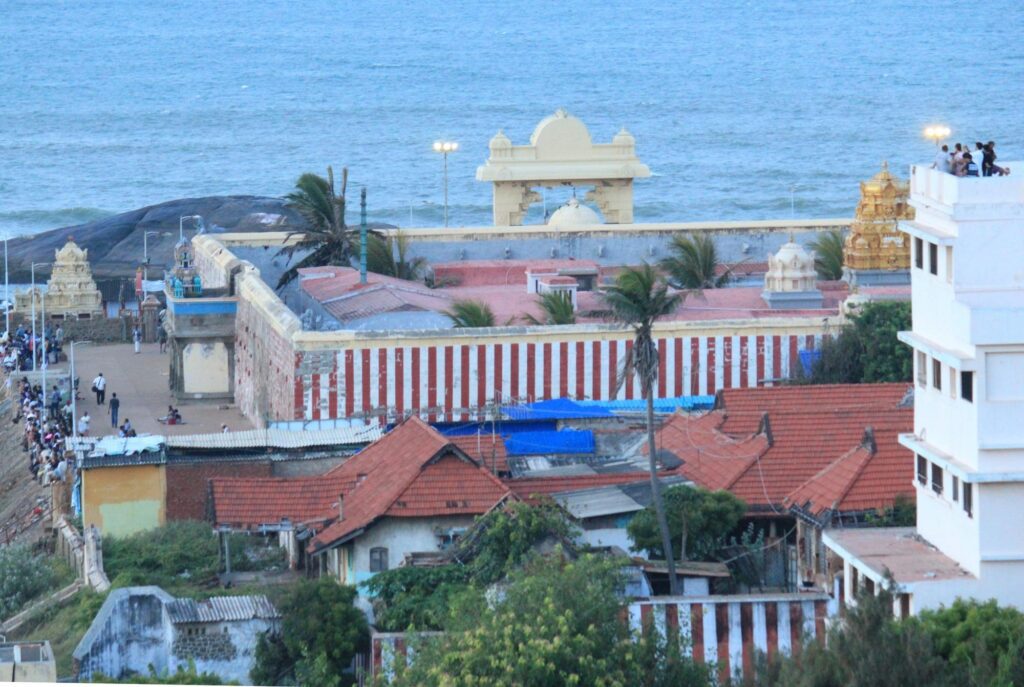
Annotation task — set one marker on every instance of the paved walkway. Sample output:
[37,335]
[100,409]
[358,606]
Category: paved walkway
[140,382]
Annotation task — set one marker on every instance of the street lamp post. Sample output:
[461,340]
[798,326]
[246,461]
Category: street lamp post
[74,399]
[181,224]
[936,133]
[145,252]
[445,147]
[7,293]
[32,269]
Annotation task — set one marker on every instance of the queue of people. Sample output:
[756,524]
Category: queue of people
[43,439]
[962,161]
[21,350]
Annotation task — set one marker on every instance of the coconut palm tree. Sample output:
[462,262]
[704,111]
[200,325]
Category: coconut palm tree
[557,307]
[638,298]
[693,263]
[327,238]
[464,314]
[828,254]
[389,256]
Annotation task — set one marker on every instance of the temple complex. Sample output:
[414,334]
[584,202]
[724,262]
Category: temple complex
[71,292]
[791,281]
[876,252]
[561,153]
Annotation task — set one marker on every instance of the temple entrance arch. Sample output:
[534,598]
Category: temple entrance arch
[561,153]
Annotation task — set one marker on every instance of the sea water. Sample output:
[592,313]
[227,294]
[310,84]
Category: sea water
[742,109]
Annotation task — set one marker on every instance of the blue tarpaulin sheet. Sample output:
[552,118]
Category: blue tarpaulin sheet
[661,405]
[542,443]
[555,409]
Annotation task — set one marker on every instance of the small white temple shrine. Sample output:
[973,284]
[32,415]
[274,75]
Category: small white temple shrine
[71,292]
[561,153]
[791,281]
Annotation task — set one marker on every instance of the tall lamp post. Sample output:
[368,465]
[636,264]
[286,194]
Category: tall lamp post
[32,269]
[181,223]
[74,399]
[445,147]
[145,252]
[7,293]
[937,133]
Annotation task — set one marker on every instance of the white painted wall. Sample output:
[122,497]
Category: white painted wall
[205,368]
[400,536]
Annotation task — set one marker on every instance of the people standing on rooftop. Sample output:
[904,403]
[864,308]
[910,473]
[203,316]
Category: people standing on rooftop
[943,160]
[970,167]
[113,408]
[990,160]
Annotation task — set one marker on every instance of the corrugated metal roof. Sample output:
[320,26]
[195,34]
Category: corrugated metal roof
[539,443]
[221,608]
[612,499]
[277,438]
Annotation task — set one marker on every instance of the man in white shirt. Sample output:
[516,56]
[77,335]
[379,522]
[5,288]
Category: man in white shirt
[942,160]
[99,385]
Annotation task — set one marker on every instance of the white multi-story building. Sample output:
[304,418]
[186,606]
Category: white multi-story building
[967,276]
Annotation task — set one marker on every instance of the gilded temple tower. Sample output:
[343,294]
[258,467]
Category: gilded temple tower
[876,252]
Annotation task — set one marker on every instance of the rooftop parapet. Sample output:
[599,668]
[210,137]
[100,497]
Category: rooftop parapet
[932,188]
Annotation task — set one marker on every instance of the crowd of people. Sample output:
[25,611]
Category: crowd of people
[962,161]
[24,351]
[44,438]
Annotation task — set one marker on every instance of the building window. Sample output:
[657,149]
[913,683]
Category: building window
[956,488]
[918,253]
[969,499]
[378,559]
[967,386]
[922,470]
[952,383]
[933,258]
[936,374]
[922,369]
[937,479]
[949,264]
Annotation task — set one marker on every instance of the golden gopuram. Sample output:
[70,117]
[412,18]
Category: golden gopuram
[876,252]
[71,292]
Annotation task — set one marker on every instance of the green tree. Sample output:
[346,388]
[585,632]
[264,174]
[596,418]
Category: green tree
[182,676]
[467,314]
[693,263]
[902,513]
[557,623]
[557,308]
[828,254]
[183,549]
[868,350]
[390,256]
[980,637]
[24,575]
[327,237]
[637,299]
[700,520]
[321,632]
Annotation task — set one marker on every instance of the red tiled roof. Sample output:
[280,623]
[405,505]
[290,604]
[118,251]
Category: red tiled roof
[341,294]
[412,465]
[529,487]
[502,272]
[486,449]
[812,429]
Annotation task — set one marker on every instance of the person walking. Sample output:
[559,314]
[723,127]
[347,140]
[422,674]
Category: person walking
[55,402]
[113,407]
[161,335]
[99,385]
[137,339]
[83,424]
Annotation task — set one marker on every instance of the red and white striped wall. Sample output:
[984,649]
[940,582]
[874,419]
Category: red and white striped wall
[727,631]
[461,381]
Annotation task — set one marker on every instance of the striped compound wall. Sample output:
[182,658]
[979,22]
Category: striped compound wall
[464,381]
[727,631]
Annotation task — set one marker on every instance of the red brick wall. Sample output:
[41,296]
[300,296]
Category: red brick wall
[188,486]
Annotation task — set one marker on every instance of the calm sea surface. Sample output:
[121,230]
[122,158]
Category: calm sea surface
[109,105]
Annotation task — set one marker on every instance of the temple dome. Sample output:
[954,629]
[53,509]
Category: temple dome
[71,252]
[791,269]
[572,214]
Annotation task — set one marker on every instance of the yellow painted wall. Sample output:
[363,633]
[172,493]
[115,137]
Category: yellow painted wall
[124,500]
[206,368]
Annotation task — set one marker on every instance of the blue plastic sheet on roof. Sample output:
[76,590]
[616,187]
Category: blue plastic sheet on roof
[807,360]
[543,443]
[504,427]
[556,409]
[661,405]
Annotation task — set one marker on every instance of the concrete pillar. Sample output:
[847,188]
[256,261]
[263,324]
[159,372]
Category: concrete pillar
[511,201]
[150,308]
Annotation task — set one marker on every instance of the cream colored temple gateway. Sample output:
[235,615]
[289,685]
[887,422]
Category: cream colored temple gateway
[71,292]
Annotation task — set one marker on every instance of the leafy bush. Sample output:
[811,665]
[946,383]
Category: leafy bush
[252,552]
[697,518]
[868,349]
[163,556]
[24,575]
[981,637]
[182,676]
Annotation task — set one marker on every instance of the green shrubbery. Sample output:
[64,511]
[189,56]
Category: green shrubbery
[867,350]
[26,574]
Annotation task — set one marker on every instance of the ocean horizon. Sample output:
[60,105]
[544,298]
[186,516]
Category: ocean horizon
[743,110]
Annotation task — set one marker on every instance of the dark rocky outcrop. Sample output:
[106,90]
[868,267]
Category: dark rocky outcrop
[115,243]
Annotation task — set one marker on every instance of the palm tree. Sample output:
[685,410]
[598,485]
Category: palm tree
[465,314]
[638,298]
[828,254]
[557,307]
[388,256]
[693,263]
[327,237]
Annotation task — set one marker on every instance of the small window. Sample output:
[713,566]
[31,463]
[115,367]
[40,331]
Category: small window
[969,499]
[937,479]
[922,369]
[952,383]
[922,470]
[949,264]
[933,258]
[936,374]
[956,488]
[378,559]
[918,253]
[967,386]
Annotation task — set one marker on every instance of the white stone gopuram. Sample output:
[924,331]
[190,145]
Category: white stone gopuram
[791,281]
[966,453]
[71,292]
[561,153]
